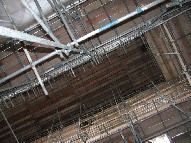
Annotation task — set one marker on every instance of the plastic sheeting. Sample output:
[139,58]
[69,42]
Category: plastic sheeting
[21,15]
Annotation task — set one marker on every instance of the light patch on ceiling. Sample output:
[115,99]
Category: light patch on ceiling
[160,139]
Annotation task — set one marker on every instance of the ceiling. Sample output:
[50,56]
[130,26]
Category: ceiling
[120,75]
[84,90]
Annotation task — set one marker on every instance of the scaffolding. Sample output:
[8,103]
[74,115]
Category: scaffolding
[119,115]
[105,48]
[133,113]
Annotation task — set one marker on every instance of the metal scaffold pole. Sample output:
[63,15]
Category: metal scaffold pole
[180,59]
[63,18]
[36,72]
[5,118]
[131,125]
[7,32]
